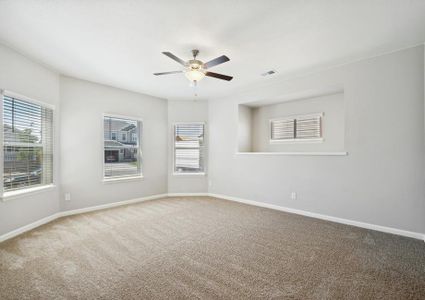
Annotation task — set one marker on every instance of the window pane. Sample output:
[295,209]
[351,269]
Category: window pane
[189,148]
[28,144]
[22,166]
[121,153]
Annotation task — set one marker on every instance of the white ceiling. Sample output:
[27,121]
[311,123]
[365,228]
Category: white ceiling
[119,42]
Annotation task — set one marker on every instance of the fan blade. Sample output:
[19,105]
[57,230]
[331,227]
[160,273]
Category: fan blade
[172,56]
[219,76]
[216,61]
[166,73]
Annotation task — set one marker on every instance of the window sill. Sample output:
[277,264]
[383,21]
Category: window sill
[26,192]
[189,174]
[297,141]
[122,179]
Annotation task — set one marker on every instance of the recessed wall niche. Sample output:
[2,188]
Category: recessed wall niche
[255,123]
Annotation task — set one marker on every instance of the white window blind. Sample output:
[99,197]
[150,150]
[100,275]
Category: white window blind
[122,158]
[283,129]
[306,127]
[27,144]
[189,148]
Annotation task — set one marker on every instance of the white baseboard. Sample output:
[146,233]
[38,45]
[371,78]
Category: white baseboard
[13,233]
[28,227]
[411,234]
[65,213]
[188,195]
[109,205]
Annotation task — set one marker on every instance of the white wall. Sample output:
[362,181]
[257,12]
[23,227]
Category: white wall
[332,106]
[186,111]
[83,105]
[23,76]
[380,182]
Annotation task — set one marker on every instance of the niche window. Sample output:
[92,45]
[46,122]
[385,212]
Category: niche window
[303,128]
[27,144]
[189,148]
[122,158]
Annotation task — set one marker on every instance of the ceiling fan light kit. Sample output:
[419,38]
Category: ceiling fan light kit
[195,70]
[194,75]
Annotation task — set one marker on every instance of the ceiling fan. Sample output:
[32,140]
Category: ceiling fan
[195,69]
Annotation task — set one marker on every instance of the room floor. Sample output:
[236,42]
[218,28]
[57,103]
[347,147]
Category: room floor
[206,248]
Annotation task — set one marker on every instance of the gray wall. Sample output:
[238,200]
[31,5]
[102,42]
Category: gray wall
[245,129]
[186,111]
[380,182]
[25,77]
[332,123]
[83,105]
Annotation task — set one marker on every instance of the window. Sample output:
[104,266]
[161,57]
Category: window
[121,158]
[27,144]
[189,148]
[113,136]
[123,137]
[297,128]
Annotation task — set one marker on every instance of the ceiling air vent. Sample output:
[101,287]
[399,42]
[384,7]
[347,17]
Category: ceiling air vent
[268,73]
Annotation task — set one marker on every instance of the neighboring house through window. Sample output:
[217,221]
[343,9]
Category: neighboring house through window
[121,158]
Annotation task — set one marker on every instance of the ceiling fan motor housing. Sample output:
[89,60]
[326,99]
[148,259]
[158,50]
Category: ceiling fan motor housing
[195,64]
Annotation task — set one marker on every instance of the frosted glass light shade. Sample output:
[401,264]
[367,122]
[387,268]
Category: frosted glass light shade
[194,75]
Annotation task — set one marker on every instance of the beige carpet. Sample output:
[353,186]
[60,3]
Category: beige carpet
[205,248]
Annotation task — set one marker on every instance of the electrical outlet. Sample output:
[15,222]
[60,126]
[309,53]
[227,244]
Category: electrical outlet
[293,196]
[67,196]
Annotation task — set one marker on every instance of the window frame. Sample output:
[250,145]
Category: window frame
[296,140]
[174,173]
[113,179]
[8,195]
